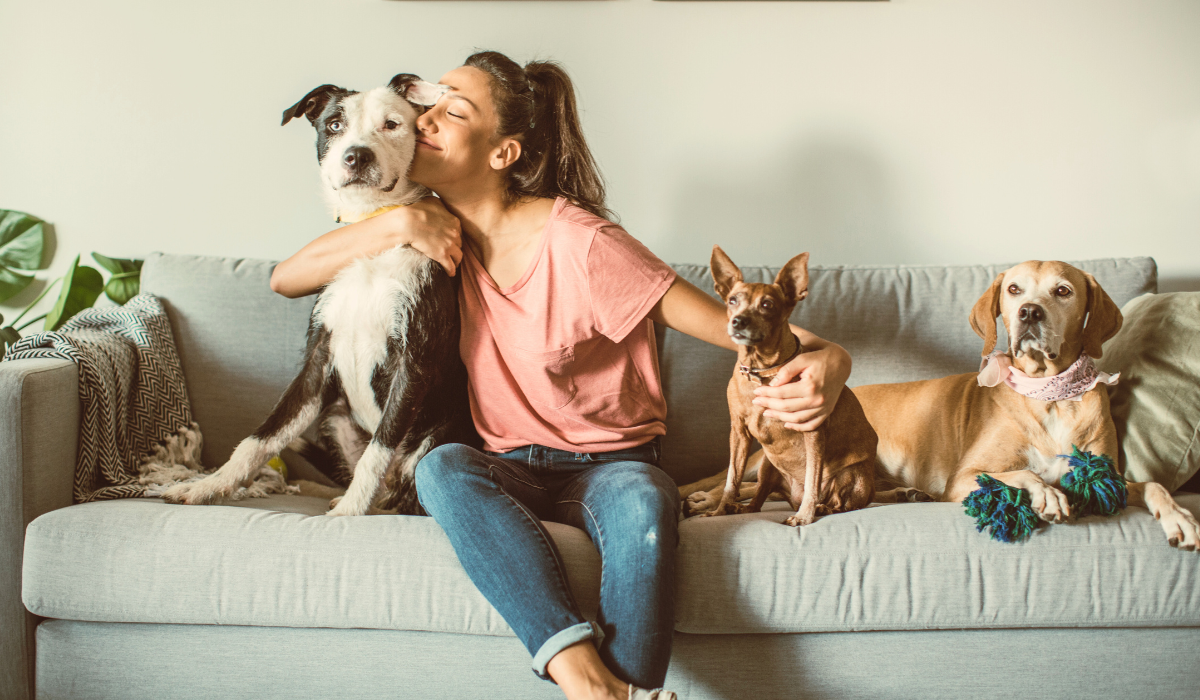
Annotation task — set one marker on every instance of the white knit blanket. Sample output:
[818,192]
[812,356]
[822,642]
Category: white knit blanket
[136,433]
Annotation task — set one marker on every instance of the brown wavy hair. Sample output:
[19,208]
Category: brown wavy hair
[537,104]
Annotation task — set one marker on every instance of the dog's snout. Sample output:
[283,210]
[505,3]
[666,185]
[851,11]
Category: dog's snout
[1031,313]
[738,322]
[358,157]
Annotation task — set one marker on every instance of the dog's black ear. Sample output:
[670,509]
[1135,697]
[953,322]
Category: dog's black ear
[725,274]
[1104,318]
[793,278]
[417,91]
[311,104]
[983,316]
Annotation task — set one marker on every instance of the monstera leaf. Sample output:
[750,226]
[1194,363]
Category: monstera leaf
[21,240]
[81,286]
[125,281]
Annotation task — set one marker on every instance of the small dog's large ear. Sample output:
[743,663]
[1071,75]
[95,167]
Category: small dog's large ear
[983,316]
[1103,319]
[725,274]
[311,104]
[793,278]
[417,91]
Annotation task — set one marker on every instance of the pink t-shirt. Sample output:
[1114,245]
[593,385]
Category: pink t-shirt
[566,356]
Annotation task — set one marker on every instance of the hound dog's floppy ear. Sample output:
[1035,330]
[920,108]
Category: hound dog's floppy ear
[1103,318]
[725,273]
[793,278]
[311,104]
[417,91]
[983,316]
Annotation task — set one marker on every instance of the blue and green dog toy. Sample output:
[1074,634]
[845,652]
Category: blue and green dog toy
[1093,487]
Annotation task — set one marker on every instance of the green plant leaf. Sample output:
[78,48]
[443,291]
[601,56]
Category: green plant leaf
[81,287]
[11,283]
[123,287]
[21,240]
[126,277]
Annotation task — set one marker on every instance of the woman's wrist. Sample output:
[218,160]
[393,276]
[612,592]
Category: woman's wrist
[395,228]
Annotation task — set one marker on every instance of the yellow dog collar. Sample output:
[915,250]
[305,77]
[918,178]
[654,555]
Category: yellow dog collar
[377,212]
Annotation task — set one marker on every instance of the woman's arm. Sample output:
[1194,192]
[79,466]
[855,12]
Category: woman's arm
[805,390]
[426,226]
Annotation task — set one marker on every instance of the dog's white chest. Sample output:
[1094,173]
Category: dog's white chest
[1059,437]
[368,303]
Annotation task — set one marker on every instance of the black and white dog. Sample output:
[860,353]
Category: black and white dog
[382,368]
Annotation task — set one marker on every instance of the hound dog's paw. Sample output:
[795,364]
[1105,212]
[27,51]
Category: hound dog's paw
[797,521]
[699,502]
[911,495]
[1049,503]
[204,492]
[1181,527]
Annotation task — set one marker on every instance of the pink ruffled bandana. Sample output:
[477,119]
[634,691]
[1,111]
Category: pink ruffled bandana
[1069,385]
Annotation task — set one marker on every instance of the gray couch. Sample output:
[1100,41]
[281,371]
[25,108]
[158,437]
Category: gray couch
[138,599]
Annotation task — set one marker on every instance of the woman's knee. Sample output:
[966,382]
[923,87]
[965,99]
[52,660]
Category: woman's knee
[647,503]
[442,466]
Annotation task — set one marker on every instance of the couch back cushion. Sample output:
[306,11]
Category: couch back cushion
[240,343]
[899,324]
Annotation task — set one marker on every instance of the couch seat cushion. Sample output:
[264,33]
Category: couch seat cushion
[923,566]
[269,562]
[265,562]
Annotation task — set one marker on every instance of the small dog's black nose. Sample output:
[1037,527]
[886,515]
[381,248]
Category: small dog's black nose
[358,157]
[738,323]
[1031,313]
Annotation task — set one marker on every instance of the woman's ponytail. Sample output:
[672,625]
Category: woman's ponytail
[537,103]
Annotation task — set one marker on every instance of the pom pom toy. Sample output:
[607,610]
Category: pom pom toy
[1093,485]
[278,465]
[1004,510]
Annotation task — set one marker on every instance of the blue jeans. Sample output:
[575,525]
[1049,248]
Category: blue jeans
[492,506]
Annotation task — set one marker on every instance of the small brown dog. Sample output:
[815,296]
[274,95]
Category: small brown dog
[828,470]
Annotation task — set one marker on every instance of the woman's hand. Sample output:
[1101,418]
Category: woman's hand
[805,391]
[426,226]
[432,230]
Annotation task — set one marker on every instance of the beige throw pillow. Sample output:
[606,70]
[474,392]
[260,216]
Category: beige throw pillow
[1156,405]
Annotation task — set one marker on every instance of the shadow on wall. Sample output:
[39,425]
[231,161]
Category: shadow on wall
[1178,284]
[827,195]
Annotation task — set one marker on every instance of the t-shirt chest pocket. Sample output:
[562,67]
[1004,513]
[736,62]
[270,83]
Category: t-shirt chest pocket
[545,377]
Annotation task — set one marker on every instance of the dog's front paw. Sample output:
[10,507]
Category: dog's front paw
[197,493]
[912,495]
[1181,527]
[799,520]
[719,510]
[1049,503]
[343,506]
[699,503]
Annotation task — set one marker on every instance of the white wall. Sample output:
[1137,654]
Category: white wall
[913,131]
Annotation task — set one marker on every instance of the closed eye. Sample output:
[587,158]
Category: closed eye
[459,116]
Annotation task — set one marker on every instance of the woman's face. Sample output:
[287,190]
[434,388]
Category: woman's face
[457,144]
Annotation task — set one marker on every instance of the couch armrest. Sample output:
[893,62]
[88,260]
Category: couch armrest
[39,432]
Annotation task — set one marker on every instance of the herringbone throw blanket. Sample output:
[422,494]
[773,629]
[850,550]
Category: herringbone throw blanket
[136,434]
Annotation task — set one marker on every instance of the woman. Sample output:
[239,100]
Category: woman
[564,386]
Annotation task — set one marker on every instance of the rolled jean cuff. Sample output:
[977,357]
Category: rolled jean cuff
[561,640]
